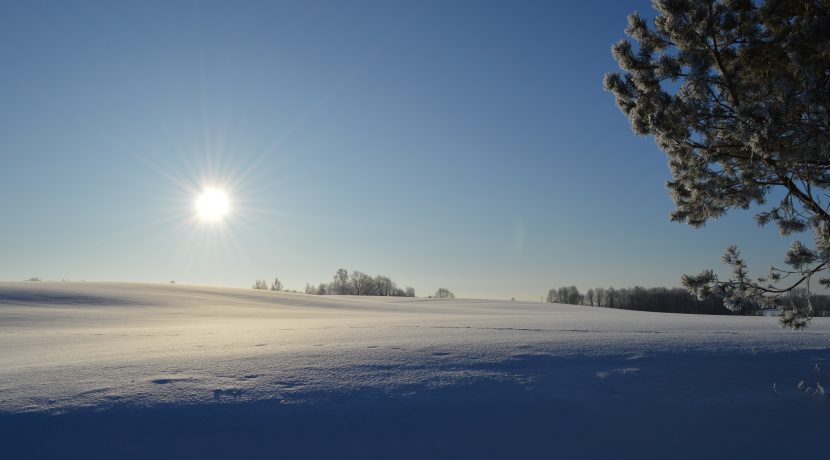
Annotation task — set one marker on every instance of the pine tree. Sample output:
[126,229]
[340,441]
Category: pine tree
[737,94]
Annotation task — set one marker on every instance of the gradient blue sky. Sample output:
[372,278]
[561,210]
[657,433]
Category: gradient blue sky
[460,144]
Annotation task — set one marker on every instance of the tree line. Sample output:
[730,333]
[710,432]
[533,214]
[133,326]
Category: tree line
[675,300]
[657,299]
[356,283]
[359,283]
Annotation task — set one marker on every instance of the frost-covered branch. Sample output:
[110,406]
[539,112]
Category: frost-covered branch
[748,112]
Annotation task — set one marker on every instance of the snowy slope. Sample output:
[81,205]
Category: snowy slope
[104,369]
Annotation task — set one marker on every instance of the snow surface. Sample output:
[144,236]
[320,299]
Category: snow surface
[139,370]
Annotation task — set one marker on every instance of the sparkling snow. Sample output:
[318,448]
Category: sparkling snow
[138,370]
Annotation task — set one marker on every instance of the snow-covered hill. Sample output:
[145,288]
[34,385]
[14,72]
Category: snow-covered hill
[120,369]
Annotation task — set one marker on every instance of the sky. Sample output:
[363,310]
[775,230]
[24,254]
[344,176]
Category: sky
[459,144]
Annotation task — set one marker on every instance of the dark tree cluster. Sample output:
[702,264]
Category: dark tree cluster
[566,294]
[678,300]
[660,299]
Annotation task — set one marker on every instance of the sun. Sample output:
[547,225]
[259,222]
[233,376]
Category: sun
[212,205]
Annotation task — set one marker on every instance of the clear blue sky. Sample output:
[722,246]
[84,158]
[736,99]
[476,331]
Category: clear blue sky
[446,143]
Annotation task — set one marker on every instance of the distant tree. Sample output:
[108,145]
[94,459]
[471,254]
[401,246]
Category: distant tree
[589,297]
[553,296]
[385,286]
[674,300]
[362,284]
[565,294]
[737,94]
[642,296]
[260,284]
[562,295]
[359,283]
[444,293]
[276,285]
[611,297]
[574,297]
[341,285]
[623,298]
[599,296]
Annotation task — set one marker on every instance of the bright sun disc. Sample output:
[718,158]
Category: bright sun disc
[212,204]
